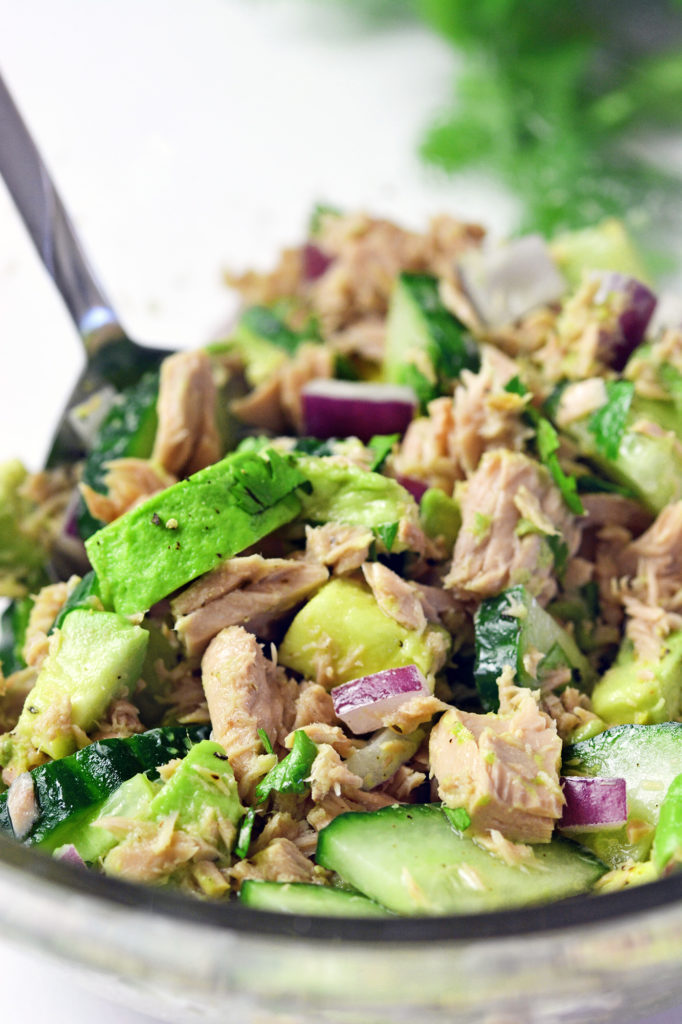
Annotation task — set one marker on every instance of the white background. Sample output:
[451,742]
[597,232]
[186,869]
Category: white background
[186,137]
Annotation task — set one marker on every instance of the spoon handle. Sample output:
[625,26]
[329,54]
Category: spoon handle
[51,230]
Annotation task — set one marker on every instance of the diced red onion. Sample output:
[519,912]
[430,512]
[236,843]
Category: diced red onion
[506,281]
[69,855]
[315,262]
[342,408]
[593,803]
[363,703]
[417,488]
[631,305]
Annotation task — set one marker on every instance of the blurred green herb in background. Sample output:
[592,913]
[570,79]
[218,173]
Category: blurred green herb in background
[551,97]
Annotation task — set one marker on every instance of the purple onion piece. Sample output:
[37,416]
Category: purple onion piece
[363,703]
[593,803]
[417,488]
[68,854]
[340,408]
[626,307]
[315,262]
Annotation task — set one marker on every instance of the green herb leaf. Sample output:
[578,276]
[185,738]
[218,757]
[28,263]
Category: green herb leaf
[608,423]
[265,740]
[244,835]
[387,534]
[260,481]
[381,445]
[262,321]
[559,550]
[457,816]
[292,773]
[515,386]
[547,441]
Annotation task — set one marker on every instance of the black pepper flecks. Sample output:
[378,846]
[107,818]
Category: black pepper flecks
[156,519]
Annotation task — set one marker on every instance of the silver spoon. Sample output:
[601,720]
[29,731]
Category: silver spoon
[111,356]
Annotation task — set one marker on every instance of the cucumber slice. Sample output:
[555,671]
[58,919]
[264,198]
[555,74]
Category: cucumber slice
[73,785]
[132,799]
[648,757]
[511,626]
[13,623]
[127,432]
[426,346]
[302,898]
[410,859]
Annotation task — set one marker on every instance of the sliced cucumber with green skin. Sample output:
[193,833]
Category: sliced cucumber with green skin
[13,623]
[509,627]
[648,757]
[132,799]
[423,335]
[74,784]
[411,860]
[304,898]
[127,432]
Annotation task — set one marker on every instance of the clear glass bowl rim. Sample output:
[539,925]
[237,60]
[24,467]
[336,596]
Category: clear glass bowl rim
[233,916]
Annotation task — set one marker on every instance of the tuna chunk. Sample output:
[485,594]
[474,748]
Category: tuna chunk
[396,597]
[503,769]
[187,439]
[128,482]
[276,403]
[447,445]
[491,552]
[47,605]
[280,861]
[245,692]
[237,591]
[343,548]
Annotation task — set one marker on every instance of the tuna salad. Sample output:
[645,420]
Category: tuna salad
[374,606]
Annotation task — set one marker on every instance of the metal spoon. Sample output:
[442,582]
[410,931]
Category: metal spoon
[111,356]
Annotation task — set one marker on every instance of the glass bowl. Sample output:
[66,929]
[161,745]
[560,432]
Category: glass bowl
[611,957]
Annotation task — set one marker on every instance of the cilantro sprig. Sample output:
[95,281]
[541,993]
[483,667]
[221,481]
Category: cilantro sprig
[547,445]
[608,423]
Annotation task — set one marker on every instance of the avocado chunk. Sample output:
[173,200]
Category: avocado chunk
[342,634]
[607,246]
[639,691]
[191,527]
[440,517]
[203,784]
[95,657]
[24,535]
[263,341]
[347,494]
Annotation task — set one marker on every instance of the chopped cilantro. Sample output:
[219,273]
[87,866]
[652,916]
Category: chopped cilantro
[515,386]
[265,740]
[380,445]
[387,533]
[292,773]
[244,835]
[458,817]
[559,550]
[260,481]
[547,441]
[608,423]
[313,446]
[261,321]
[590,484]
